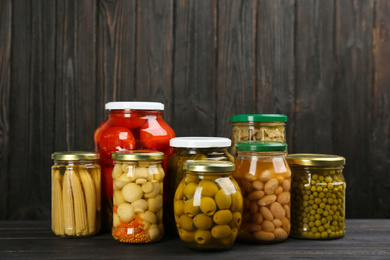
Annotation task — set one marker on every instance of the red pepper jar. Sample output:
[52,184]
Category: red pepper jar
[129,126]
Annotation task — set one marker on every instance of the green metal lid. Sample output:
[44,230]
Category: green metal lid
[309,159]
[209,166]
[261,146]
[75,156]
[258,118]
[138,155]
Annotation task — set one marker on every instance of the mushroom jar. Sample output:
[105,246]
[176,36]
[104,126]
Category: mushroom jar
[208,206]
[318,196]
[138,196]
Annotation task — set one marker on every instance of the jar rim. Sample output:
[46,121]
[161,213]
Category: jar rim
[134,105]
[138,155]
[307,159]
[208,166]
[261,146]
[258,118]
[199,142]
[75,156]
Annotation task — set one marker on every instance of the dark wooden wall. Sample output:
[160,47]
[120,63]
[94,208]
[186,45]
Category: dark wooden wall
[325,64]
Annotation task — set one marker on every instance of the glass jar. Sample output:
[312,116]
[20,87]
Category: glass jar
[264,177]
[318,196]
[138,196]
[75,194]
[261,127]
[129,126]
[208,206]
[191,148]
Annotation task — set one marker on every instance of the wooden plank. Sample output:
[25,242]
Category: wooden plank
[31,116]
[380,109]
[194,70]
[5,89]
[353,85]
[275,60]
[75,111]
[116,53]
[154,47]
[314,78]
[236,62]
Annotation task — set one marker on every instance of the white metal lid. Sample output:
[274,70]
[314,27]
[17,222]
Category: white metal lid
[135,105]
[200,142]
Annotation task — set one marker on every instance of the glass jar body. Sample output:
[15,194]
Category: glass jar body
[175,163]
[128,129]
[137,201]
[265,182]
[76,209]
[208,210]
[318,207]
[257,131]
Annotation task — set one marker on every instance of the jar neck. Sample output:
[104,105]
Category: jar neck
[72,162]
[134,112]
[241,155]
[191,150]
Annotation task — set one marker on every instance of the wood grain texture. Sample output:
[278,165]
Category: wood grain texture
[236,62]
[116,53]
[275,60]
[351,97]
[154,53]
[75,115]
[5,86]
[194,71]
[380,108]
[314,66]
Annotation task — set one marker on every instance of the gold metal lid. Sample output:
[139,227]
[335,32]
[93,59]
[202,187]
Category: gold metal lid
[209,166]
[75,156]
[307,159]
[138,155]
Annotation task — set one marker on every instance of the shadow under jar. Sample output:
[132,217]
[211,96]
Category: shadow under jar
[208,206]
[318,196]
[265,181]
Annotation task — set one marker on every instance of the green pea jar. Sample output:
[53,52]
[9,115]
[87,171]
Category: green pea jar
[208,206]
[317,196]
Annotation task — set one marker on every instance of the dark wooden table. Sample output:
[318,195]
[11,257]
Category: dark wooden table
[364,239]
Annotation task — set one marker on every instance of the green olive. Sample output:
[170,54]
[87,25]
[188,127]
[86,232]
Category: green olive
[236,220]
[179,207]
[189,208]
[208,206]
[223,199]
[221,231]
[202,236]
[186,223]
[202,221]
[189,189]
[237,202]
[223,217]
[179,194]
[186,236]
[209,188]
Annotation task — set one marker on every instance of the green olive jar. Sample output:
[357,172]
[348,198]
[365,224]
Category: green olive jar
[190,148]
[208,206]
[317,196]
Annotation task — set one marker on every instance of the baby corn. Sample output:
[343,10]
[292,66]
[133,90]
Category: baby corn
[79,206]
[67,197]
[90,198]
[57,217]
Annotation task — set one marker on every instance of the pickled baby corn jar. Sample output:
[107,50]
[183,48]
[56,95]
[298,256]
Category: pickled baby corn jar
[75,210]
[318,196]
[264,177]
[208,206]
[129,126]
[138,196]
[261,127]
[191,148]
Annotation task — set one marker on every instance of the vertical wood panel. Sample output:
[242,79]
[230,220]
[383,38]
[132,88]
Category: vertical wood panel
[5,85]
[31,115]
[75,75]
[352,93]
[380,120]
[154,53]
[314,65]
[275,60]
[194,74]
[236,62]
[116,53]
